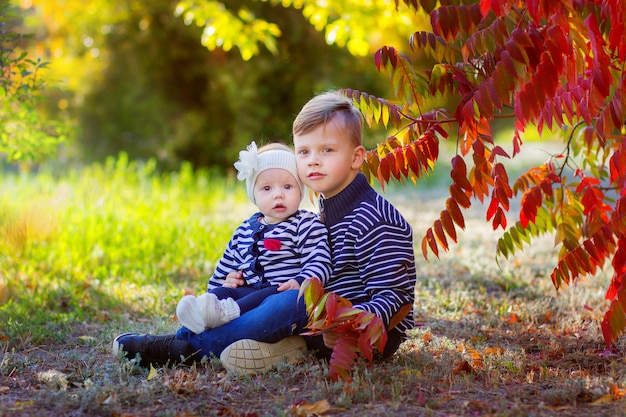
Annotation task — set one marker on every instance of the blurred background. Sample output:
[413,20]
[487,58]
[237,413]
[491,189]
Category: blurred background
[192,80]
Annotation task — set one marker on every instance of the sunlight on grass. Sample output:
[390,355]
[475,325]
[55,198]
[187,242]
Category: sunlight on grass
[109,239]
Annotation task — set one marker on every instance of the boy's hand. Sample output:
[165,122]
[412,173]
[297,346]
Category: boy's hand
[234,279]
[292,284]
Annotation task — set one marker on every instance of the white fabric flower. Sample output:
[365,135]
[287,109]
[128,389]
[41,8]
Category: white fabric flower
[248,163]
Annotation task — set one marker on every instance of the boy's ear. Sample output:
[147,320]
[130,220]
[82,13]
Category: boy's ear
[358,157]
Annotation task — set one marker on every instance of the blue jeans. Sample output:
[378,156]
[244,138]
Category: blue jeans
[247,297]
[279,316]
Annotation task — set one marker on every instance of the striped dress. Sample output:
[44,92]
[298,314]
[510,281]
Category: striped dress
[275,253]
[372,247]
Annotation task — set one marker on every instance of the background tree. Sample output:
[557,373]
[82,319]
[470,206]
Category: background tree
[136,77]
[25,133]
[555,66]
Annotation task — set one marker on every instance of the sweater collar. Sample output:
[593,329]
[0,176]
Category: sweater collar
[335,208]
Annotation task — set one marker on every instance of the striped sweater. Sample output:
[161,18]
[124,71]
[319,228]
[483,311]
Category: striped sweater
[294,248]
[372,247]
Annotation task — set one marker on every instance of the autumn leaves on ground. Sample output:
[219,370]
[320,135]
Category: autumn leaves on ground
[493,336]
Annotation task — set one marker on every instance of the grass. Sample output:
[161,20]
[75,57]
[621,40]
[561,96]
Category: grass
[87,254]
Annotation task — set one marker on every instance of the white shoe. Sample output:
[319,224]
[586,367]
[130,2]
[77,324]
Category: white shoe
[251,357]
[229,310]
[215,312]
[188,314]
[209,307]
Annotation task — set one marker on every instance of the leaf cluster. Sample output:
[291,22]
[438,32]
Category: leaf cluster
[357,332]
[557,67]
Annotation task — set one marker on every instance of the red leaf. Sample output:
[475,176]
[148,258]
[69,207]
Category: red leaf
[441,236]
[429,241]
[459,173]
[459,196]
[455,212]
[448,225]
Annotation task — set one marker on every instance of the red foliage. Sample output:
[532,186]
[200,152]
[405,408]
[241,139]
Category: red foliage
[358,332]
[551,64]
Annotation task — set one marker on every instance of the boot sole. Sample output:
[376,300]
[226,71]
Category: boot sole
[251,357]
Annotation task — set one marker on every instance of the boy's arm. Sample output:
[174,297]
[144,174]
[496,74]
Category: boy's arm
[313,246]
[387,268]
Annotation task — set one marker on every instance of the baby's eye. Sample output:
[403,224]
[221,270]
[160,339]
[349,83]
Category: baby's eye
[267,188]
[288,186]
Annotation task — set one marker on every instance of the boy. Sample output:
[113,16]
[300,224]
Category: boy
[370,242]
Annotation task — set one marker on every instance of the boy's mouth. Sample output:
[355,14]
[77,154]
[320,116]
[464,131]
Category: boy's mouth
[314,175]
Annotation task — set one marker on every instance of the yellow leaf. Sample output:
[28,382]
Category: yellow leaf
[602,400]
[494,351]
[153,373]
[305,409]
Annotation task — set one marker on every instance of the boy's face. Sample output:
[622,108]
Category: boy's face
[277,194]
[327,161]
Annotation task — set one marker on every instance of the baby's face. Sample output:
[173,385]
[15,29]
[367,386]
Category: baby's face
[277,194]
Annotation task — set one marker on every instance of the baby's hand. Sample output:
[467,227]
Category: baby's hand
[234,279]
[292,284]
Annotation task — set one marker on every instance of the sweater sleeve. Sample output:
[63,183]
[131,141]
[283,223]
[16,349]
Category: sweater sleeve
[314,250]
[229,262]
[387,268]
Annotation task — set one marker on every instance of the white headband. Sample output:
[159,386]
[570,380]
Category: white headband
[251,163]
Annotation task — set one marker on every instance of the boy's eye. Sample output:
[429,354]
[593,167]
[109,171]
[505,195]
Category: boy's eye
[302,152]
[328,150]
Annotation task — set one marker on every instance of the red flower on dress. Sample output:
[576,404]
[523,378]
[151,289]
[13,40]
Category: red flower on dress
[271,244]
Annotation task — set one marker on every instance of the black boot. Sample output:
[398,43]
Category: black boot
[155,349]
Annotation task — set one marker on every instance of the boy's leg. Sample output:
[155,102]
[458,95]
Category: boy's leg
[279,316]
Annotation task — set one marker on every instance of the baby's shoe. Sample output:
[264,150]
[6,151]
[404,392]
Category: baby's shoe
[210,310]
[188,314]
[216,312]
[229,310]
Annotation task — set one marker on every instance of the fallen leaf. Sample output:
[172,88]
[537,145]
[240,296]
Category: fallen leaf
[86,340]
[493,351]
[615,392]
[465,367]
[110,399]
[477,358]
[306,409]
[512,318]
[153,373]
[602,400]
[4,389]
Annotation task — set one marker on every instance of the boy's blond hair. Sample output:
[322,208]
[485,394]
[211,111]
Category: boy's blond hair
[327,107]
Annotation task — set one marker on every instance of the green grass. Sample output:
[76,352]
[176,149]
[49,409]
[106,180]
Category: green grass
[108,240]
[86,254]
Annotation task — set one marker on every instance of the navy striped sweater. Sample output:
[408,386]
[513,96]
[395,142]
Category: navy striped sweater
[372,247]
[294,248]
